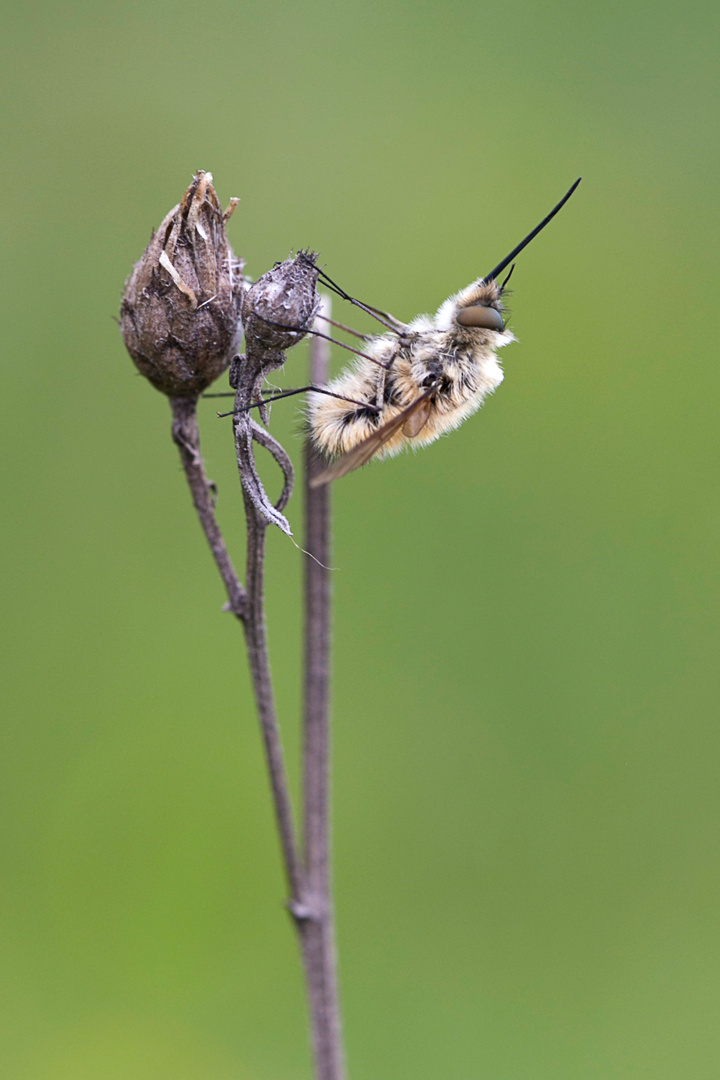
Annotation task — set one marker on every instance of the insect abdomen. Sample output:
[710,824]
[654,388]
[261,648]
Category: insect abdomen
[337,425]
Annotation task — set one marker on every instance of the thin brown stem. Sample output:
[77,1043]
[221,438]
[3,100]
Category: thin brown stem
[309,878]
[257,518]
[187,438]
[246,604]
[318,931]
[256,640]
[308,873]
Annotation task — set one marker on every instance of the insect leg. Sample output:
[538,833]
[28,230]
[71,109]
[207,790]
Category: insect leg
[318,333]
[291,393]
[342,326]
[387,320]
[367,449]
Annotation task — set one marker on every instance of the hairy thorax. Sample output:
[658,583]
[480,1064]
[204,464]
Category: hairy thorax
[461,365]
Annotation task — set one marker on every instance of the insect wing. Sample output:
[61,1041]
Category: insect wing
[417,419]
[361,454]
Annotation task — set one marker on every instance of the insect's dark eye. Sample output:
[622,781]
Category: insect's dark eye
[487,318]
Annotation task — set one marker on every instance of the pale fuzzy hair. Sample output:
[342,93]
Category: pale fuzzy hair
[466,358]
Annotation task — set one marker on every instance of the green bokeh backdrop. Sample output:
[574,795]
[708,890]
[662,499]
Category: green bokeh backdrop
[526,637]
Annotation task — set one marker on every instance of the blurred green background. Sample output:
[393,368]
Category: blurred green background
[526,770]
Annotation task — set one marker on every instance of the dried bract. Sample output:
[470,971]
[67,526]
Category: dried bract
[277,312]
[180,314]
[285,297]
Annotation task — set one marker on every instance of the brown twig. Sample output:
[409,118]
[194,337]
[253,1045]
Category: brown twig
[259,513]
[187,438]
[308,875]
[246,603]
[180,319]
[318,931]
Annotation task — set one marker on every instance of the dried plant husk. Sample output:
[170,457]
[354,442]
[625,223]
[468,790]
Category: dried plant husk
[180,313]
[278,311]
[279,308]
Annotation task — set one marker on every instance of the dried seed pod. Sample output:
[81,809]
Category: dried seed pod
[279,308]
[277,313]
[180,313]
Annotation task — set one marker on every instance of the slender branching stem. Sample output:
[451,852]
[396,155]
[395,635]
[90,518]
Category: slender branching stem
[308,869]
[247,604]
[181,345]
[187,438]
[258,513]
[256,640]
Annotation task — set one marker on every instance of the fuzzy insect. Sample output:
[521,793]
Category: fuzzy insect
[409,386]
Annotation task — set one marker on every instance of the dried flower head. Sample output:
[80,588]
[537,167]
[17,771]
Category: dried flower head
[180,313]
[278,311]
[285,296]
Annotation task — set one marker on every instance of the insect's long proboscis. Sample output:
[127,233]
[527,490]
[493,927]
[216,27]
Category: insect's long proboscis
[531,236]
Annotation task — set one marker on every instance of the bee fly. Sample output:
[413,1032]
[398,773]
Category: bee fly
[410,385]
[419,380]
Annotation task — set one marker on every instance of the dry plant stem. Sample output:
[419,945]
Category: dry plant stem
[189,259]
[187,438]
[256,640]
[246,604]
[246,430]
[317,931]
[309,878]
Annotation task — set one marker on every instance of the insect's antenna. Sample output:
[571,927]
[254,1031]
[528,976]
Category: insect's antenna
[291,393]
[367,308]
[531,236]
